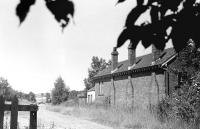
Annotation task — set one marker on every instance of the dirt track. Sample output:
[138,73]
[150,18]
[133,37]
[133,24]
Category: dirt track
[53,120]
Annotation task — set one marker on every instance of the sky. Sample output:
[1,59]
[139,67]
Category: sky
[34,54]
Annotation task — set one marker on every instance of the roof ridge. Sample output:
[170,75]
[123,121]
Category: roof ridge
[145,62]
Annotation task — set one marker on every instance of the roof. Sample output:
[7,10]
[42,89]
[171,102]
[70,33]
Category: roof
[141,62]
[92,89]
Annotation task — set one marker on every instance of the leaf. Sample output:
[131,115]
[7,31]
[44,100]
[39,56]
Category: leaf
[123,37]
[62,10]
[179,38]
[140,2]
[134,15]
[23,8]
[132,33]
[120,1]
[154,13]
[170,4]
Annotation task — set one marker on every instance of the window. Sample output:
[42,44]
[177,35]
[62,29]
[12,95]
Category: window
[88,98]
[100,88]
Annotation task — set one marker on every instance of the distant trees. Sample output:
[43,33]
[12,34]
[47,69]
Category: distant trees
[97,64]
[8,92]
[48,97]
[5,89]
[31,97]
[59,93]
[73,94]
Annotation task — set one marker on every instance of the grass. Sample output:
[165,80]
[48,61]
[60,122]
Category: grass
[118,118]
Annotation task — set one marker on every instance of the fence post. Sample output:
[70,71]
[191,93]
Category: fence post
[14,113]
[33,120]
[2,103]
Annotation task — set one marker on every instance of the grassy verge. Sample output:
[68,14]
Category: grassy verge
[117,117]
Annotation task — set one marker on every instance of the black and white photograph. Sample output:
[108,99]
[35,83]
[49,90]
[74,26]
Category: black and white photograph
[100,64]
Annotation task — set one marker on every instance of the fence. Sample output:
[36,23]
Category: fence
[14,108]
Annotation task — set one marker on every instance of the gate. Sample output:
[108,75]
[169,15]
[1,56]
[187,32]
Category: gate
[14,108]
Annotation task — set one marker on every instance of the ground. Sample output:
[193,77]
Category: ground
[53,120]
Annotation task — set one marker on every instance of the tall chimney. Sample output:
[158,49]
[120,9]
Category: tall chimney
[114,55]
[131,55]
[156,53]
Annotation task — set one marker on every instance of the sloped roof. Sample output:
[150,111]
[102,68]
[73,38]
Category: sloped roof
[141,62]
[92,89]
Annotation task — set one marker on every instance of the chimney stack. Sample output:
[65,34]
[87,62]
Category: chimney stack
[114,55]
[131,55]
[156,53]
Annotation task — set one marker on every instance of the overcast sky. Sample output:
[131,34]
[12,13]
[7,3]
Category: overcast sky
[33,55]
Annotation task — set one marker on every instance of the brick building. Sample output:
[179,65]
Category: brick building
[140,82]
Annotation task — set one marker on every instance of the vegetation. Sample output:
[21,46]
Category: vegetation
[61,9]
[177,20]
[73,94]
[31,97]
[116,117]
[98,64]
[48,97]
[184,103]
[8,92]
[5,89]
[59,93]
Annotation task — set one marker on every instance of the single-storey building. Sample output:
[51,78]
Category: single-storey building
[139,81]
[91,95]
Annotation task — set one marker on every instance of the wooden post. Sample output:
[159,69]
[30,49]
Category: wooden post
[14,113]
[2,103]
[33,120]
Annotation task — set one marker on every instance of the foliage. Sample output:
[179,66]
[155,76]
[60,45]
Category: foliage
[73,94]
[31,97]
[5,89]
[61,9]
[48,97]
[177,20]
[98,64]
[59,93]
[184,103]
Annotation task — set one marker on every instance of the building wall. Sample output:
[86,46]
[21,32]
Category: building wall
[90,96]
[141,87]
[106,91]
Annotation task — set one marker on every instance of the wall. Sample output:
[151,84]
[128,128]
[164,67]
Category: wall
[106,91]
[90,96]
[144,88]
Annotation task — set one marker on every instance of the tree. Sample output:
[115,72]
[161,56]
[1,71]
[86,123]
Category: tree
[177,20]
[31,97]
[98,64]
[48,97]
[61,9]
[73,94]
[5,89]
[60,92]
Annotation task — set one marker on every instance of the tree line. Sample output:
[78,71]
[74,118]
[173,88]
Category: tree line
[8,92]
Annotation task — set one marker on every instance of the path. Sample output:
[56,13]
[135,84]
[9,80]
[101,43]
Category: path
[53,120]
